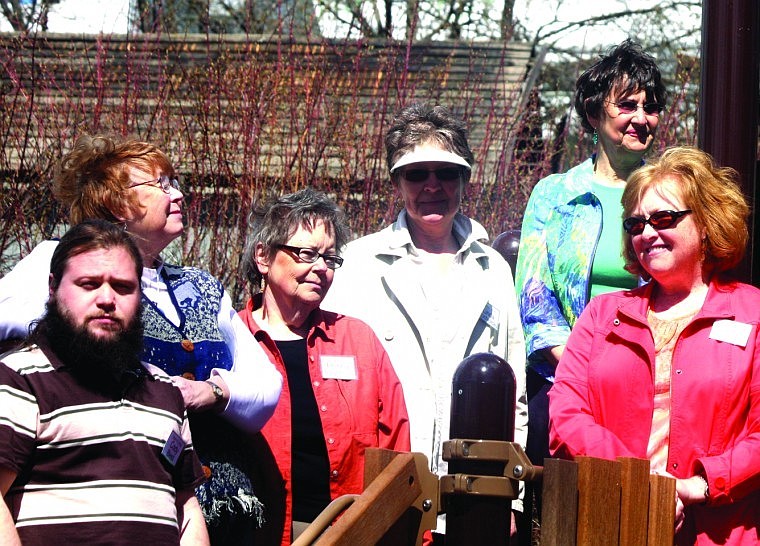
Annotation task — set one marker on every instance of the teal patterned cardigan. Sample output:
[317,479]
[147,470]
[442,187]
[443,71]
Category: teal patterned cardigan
[560,232]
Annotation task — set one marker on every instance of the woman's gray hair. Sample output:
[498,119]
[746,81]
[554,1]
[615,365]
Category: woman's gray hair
[273,225]
[422,123]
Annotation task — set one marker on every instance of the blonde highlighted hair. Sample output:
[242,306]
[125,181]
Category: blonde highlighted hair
[712,193]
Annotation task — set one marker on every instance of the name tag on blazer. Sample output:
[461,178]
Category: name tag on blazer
[731,331]
[338,367]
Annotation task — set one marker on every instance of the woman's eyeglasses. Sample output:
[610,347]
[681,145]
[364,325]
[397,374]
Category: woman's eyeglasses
[164,182]
[630,107]
[659,220]
[309,255]
[444,174]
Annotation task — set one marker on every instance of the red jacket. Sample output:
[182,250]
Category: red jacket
[602,401]
[356,414]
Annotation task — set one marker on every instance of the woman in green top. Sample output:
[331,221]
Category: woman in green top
[571,240]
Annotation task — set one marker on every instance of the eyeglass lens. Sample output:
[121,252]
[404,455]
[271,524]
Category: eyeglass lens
[630,106]
[168,183]
[164,183]
[659,220]
[445,174]
[309,255]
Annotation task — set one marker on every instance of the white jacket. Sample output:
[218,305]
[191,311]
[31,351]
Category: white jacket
[380,285]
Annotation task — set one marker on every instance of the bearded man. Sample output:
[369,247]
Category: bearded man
[96,445]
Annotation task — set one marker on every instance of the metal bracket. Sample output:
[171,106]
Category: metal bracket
[468,484]
[517,466]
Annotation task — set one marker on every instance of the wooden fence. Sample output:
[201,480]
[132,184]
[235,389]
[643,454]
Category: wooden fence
[586,502]
[596,502]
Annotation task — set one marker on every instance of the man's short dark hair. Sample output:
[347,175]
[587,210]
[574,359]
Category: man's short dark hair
[88,236]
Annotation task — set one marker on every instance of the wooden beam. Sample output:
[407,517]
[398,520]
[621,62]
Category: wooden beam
[598,502]
[634,501]
[729,102]
[378,508]
[560,503]
[662,510]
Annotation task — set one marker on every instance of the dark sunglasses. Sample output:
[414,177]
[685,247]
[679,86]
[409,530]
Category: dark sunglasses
[309,255]
[630,107]
[444,174]
[659,220]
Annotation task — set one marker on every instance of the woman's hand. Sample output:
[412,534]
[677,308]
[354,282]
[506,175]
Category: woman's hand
[688,491]
[679,514]
[199,395]
[691,490]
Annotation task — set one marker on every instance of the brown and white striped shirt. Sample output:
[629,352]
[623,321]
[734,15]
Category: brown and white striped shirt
[90,468]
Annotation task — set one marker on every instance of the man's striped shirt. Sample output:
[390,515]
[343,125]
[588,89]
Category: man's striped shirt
[90,469]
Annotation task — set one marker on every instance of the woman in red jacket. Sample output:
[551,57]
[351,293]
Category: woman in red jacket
[340,394]
[670,371]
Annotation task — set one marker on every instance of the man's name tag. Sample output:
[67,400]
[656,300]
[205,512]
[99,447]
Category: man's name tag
[173,447]
[338,367]
[731,331]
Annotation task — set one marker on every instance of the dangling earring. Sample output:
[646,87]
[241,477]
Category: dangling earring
[595,138]
[704,249]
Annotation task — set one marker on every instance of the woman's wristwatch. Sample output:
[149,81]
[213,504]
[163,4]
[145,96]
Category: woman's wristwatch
[217,391]
[707,487]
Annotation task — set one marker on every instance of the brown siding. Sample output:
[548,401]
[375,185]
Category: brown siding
[224,93]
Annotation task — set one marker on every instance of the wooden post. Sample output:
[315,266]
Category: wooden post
[598,502]
[560,503]
[729,101]
[634,501]
[376,510]
[662,510]
[410,527]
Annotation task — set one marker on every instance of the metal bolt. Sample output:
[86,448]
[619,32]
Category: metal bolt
[518,471]
[427,504]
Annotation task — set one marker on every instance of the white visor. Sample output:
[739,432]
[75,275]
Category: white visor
[427,154]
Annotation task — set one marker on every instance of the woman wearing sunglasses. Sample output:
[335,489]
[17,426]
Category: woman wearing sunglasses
[191,330]
[427,285]
[341,394]
[570,241]
[670,371]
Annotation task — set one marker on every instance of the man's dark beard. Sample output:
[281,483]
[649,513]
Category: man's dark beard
[106,366]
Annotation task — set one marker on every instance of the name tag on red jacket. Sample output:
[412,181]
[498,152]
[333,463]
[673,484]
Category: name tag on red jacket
[731,331]
[338,367]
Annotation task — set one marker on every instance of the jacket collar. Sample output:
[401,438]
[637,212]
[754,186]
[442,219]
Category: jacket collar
[469,233]
[715,306]
[321,323]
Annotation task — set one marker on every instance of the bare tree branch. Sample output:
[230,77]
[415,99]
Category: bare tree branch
[26,16]
[657,10]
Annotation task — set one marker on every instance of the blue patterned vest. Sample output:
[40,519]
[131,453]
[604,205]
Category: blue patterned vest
[193,349]
[195,346]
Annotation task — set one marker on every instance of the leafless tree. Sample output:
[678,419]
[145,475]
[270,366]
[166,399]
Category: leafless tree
[27,15]
[224,16]
[417,19]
